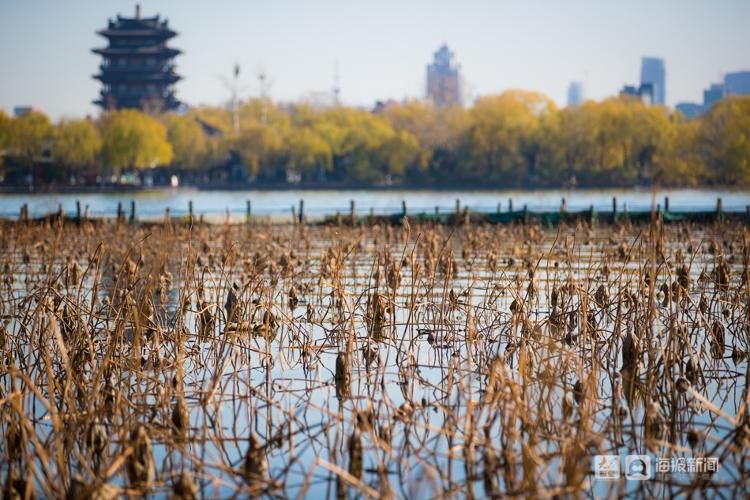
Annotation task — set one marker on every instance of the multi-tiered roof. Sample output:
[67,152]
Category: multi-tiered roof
[137,69]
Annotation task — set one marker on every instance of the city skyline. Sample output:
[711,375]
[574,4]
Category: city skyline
[381,49]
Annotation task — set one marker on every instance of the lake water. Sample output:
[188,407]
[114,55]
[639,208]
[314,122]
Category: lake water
[318,203]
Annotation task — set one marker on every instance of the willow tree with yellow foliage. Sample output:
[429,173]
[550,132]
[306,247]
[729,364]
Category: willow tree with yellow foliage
[28,134]
[4,135]
[191,147]
[133,140]
[4,129]
[364,146]
[502,141]
[514,139]
[724,142]
[77,143]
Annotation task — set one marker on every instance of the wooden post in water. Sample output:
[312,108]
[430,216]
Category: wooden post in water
[301,211]
[352,213]
[190,211]
[132,211]
[248,211]
[78,210]
[510,205]
[718,208]
[403,208]
[525,214]
[592,217]
[563,206]
[167,215]
[666,204]
[614,209]
[119,211]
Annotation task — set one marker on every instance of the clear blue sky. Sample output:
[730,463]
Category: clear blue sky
[381,46]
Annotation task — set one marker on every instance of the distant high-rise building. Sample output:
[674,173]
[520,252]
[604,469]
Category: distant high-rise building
[645,92]
[19,111]
[734,84]
[443,79]
[654,74]
[712,95]
[575,94]
[737,83]
[137,69]
[689,110]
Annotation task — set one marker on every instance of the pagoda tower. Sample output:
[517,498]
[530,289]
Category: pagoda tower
[137,69]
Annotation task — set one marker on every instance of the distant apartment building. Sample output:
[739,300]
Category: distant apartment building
[443,79]
[645,92]
[653,73]
[19,111]
[712,95]
[689,110]
[575,94]
[737,83]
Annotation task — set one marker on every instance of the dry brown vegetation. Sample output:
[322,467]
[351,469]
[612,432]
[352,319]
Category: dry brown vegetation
[369,361]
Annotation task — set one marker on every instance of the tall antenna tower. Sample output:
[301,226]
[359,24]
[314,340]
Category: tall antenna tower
[233,86]
[264,87]
[235,103]
[336,84]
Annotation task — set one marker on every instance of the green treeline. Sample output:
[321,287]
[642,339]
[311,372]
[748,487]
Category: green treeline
[516,139]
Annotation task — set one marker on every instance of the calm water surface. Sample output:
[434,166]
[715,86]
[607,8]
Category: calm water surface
[152,204]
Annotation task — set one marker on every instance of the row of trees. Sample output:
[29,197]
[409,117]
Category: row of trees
[514,139]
